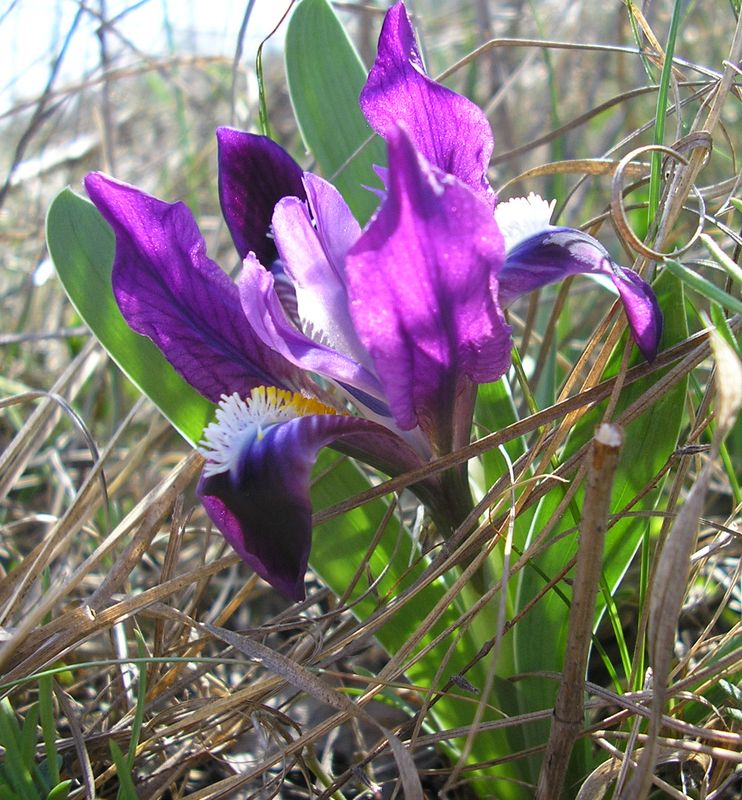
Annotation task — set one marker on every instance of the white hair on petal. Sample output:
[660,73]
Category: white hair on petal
[239,421]
[523,217]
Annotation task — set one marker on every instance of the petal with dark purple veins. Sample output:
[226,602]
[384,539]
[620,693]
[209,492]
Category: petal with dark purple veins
[448,129]
[254,174]
[168,289]
[422,281]
[259,499]
[539,254]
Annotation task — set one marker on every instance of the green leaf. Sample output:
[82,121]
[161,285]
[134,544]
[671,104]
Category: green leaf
[127,790]
[27,742]
[16,770]
[81,245]
[703,286]
[325,77]
[48,726]
[5,790]
[732,268]
[61,791]
[649,441]
[495,410]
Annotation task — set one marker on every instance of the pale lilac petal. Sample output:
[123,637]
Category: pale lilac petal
[264,508]
[313,242]
[254,174]
[168,289]
[447,128]
[422,281]
[556,253]
[268,319]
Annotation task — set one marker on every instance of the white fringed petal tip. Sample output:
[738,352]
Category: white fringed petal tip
[523,217]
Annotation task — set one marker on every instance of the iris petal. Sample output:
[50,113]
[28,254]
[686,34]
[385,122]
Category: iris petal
[555,253]
[422,280]
[268,319]
[313,249]
[264,508]
[168,289]
[448,129]
[254,174]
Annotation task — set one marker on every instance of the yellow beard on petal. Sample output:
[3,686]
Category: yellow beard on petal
[238,421]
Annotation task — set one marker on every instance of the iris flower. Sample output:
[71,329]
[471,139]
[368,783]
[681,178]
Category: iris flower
[371,341]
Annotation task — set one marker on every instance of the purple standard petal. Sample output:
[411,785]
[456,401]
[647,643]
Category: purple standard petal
[254,174]
[539,253]
[422,281]
[447,128]
[168,289]
[255,485]
[267,318]
[313,249]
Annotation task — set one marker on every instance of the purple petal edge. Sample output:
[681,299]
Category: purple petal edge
[169,290]
[448,129]
[254,174]
[265,512]
[558,252]
[422,280]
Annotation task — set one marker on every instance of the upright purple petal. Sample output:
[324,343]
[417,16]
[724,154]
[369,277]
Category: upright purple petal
[267,318]
[254,174]
[263,507]
[539,253]
[168,289]
[447,128]
[422,281]
[313,247]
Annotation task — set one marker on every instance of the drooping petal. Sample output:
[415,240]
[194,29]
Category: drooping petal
[254,174]
[267,318]
[642,309]
[539,254]
[313,247]
[168,289]
[447,128]
[422,281]
[262,505]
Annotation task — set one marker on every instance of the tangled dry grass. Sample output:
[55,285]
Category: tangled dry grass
[127,622]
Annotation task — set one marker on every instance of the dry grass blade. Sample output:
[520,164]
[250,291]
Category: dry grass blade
[568,711]
[301,678]
[671,577]
[18,453]
[248,696]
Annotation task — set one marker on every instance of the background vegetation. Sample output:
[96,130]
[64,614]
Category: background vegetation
[113,684]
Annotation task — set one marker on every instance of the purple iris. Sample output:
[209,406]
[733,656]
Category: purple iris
[371,341]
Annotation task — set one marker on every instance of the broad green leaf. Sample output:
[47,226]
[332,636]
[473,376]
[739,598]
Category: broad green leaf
[81,245]
[16,771]
[49,727]
[325,77]
[649,441]
[27,741]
